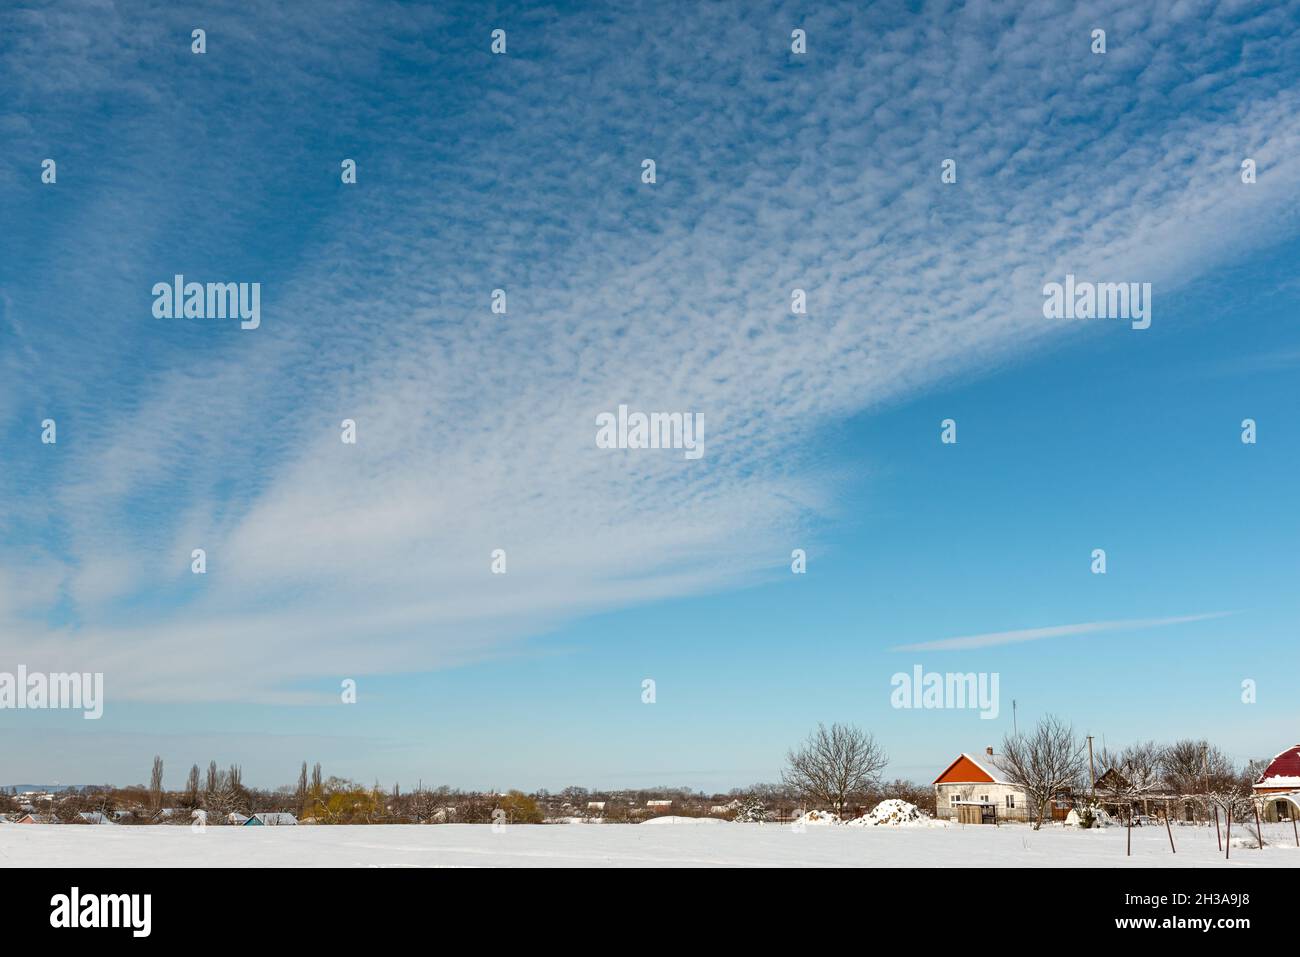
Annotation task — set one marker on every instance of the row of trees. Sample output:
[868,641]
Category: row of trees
[1052,760]
[840,765]
[838,768]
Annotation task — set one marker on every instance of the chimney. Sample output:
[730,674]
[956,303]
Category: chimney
[989,751]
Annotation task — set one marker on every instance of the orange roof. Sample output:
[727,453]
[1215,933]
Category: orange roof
[964,771]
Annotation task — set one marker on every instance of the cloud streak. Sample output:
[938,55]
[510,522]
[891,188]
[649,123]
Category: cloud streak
[995,638]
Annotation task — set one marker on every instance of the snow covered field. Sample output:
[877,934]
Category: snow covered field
[693,844]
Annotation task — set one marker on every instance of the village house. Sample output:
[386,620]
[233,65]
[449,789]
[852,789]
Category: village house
[270,819]
[1278,787]
[978,790]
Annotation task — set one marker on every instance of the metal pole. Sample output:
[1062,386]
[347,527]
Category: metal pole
[1168,829]
[1228,841]
[1259,828]
[1217,836]
[1129,852]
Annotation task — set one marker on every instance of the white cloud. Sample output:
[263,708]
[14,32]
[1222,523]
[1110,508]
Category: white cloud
[994,638]
[477,431]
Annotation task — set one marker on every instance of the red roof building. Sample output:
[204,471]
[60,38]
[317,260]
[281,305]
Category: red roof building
[1281,777]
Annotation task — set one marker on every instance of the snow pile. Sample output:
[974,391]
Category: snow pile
[1099,818]
[896,813]
[816,818]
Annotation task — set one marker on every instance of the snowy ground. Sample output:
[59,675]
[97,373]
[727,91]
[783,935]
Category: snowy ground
[695,844]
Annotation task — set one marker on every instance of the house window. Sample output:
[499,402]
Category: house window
[984,798]
[1011,800]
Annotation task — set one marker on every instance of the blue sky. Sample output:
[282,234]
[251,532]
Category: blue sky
[476,431]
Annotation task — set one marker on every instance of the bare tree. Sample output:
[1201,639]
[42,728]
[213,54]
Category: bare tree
[302,786]
[1228,789]
[192,787]
[833,764]
[1198,767]
[1044,762]
[1143,764]
[1138,769]
[213,779]
[315,780]
[155,782]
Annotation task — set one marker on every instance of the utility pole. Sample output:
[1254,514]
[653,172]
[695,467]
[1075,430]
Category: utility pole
[1092,770]
[1014,727]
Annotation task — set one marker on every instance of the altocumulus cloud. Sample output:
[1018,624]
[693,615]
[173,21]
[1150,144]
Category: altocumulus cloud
[476,431]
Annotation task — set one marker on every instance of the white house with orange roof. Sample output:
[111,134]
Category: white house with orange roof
[978,789]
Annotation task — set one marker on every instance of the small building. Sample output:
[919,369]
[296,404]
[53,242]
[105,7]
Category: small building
[1278,787]
[595,805]
[94,817]
[659,805]
[978,790]
[270,819]
[35,819]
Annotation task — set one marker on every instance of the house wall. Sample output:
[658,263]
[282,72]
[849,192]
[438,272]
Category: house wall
[1269,809]
[997,793]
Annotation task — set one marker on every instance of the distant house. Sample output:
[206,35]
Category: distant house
[234,817]
[270,819]
[35,819]
[1112,780]
[1279,786]
[978,790]
[94,817]
[595,805]
[659,805]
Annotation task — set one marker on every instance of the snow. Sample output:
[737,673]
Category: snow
[674,819]
[693,842]
[896,813]
[818,819]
